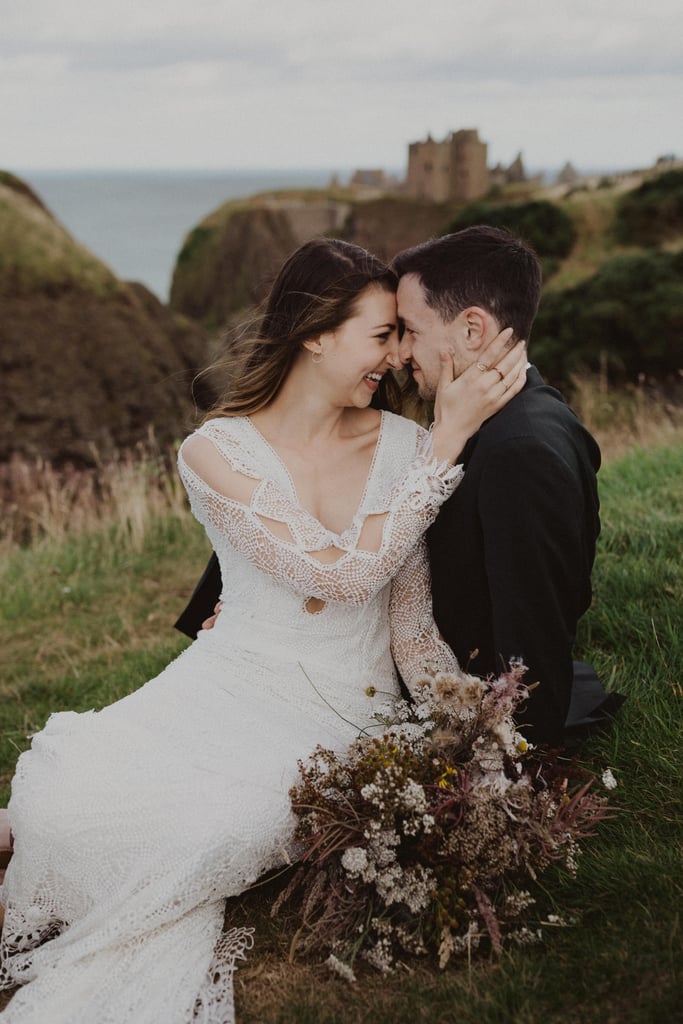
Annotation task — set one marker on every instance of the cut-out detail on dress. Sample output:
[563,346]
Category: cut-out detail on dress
[357,575]
[314,605]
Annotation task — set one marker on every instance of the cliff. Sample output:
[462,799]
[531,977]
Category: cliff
[228,261]
[85,359]
[596,245]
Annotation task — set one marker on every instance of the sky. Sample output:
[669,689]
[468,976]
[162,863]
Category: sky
[232,84]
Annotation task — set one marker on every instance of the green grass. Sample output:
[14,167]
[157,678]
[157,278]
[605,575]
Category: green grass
[36,251]
[619,962]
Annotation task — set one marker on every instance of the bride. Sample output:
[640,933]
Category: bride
[134,823]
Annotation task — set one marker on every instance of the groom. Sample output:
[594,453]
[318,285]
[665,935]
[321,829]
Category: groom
[512,550]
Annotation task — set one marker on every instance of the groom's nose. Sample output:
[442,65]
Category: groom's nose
[405,348]
[394,360]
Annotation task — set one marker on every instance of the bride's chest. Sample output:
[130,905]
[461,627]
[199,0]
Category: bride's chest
[331,488]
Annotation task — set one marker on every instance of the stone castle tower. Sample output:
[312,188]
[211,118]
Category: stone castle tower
[453,169]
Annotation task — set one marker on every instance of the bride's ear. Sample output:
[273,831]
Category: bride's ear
[314,346]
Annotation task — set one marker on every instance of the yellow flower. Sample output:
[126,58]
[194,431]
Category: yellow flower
[522,746]
[370,691]
[443,782]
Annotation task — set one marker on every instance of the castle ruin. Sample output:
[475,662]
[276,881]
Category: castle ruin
[453,169]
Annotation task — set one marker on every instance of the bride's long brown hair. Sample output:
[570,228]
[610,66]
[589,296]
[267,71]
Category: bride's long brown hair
[316,290]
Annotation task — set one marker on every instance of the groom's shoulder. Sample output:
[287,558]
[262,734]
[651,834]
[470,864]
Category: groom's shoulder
[531,413]
[538,417]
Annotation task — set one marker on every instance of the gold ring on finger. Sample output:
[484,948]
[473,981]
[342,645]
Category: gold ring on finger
[483,367]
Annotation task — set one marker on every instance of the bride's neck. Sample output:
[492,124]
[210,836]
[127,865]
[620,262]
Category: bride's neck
[303,417]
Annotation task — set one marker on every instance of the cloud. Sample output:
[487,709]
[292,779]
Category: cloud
[231,83]
[489,39]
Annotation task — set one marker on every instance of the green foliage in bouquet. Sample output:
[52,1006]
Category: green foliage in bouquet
[421,840]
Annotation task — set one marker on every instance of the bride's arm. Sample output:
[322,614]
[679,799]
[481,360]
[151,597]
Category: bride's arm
[260,521]
[416,645]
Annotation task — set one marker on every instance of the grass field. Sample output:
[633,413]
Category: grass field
[86,616]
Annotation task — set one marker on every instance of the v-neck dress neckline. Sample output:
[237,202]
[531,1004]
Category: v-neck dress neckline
[358,516]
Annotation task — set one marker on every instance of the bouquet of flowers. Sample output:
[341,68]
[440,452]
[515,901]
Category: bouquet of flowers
[421,839]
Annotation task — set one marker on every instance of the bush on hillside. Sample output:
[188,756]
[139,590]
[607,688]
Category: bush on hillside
[627,317]
[653,212]
[546,227]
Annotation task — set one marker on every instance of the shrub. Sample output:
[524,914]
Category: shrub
[545,226]
[627,317]
[652,213]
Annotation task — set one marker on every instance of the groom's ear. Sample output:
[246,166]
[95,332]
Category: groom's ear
[476,325]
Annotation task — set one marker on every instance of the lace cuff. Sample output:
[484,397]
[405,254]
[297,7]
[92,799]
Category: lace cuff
[416,645]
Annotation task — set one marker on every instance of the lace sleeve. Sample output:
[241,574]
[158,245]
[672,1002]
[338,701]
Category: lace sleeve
[259,520]
[416,645]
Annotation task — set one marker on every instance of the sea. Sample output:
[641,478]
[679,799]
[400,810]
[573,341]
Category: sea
[136,221]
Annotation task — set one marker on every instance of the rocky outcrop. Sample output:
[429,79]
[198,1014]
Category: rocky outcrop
[385,226]
[86,361]
[229,260]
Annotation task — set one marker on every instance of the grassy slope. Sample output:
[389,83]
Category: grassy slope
[36,251]
[85,620]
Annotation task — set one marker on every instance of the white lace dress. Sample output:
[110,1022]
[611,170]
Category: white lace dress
[133,824]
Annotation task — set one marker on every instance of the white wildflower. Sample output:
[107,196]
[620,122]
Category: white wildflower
[354,860]
[380,957]
[414,886]
[570,855]
[412,797]
[415,733]
[608,780]
[382,847]
[504,733]
[517,902]
[526,936]
[381,926]
[371,793]
[339,967]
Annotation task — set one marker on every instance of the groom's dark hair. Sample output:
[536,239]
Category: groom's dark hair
[478,266]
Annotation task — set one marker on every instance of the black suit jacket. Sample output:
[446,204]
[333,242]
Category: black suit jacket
[511,551]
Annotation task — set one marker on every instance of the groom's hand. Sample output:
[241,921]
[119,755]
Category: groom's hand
[211,621]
